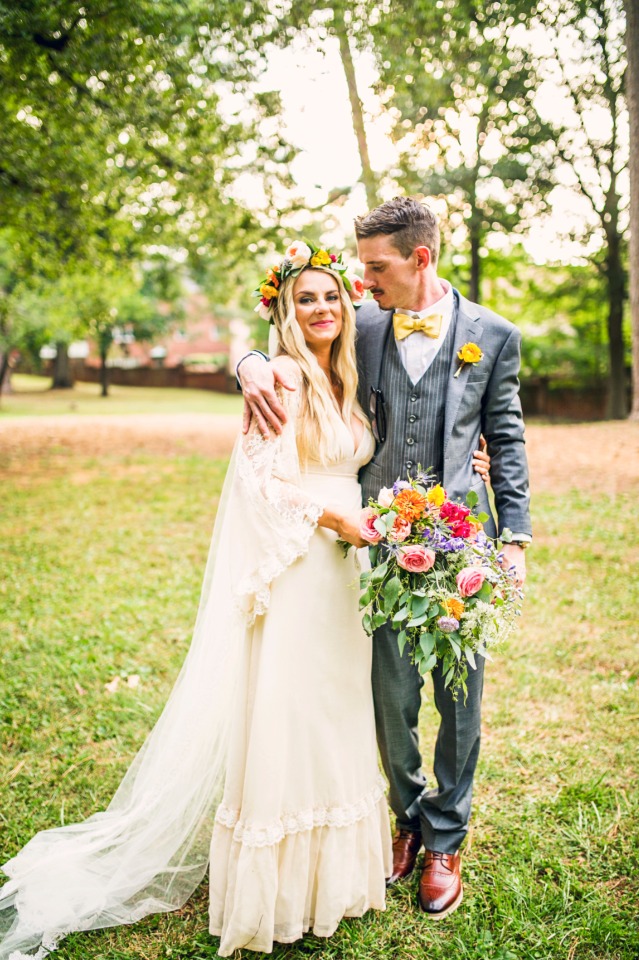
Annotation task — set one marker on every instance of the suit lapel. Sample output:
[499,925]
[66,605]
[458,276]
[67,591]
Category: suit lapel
[373,352]
[467,329]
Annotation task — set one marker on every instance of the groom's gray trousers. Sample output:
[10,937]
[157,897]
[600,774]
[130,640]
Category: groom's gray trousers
[441,813]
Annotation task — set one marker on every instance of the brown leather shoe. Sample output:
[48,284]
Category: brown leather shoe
[440,886]
[406,846]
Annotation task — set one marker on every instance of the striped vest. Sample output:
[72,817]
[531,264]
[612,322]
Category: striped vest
[414,417]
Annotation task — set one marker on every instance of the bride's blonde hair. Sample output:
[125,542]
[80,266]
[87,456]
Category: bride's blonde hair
[317,437]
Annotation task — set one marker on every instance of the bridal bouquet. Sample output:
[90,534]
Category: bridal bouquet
[437,577]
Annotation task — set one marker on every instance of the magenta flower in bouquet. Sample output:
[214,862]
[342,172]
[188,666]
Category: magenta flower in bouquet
[437,577]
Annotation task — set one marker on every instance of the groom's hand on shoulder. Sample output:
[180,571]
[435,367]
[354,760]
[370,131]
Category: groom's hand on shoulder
[258,379]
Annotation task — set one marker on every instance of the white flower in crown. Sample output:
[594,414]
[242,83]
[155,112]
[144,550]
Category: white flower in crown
[263,312]
[298,254]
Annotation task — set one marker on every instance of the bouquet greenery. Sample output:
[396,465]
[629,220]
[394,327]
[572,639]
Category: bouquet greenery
[437,577]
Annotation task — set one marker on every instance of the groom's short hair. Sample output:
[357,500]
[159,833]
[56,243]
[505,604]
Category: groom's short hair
[409,222]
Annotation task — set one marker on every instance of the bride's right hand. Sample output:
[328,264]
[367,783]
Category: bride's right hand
[348,528]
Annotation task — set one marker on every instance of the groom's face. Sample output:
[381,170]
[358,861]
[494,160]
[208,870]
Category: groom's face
[392,280]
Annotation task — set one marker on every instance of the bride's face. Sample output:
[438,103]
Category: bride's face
[318,308]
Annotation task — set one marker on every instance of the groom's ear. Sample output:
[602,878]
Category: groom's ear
[423,257]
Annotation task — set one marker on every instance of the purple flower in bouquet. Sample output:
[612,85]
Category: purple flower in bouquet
[448,624]
[400,485]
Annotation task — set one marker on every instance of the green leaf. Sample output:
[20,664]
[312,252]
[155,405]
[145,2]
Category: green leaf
[428,663]
[427,643]
[470,656]
[420,605]
[379,572]
[417,621]
[379,617]
[400,615]
[367,623]
[486,592]
[401,641]
[455,646]
[366,598]
[391,591]
[483,517]
[472,499]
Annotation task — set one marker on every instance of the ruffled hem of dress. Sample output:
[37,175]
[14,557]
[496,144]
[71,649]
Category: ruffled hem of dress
[344,815]
[311,880]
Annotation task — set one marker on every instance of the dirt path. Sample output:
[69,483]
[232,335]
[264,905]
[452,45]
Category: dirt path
[562,457]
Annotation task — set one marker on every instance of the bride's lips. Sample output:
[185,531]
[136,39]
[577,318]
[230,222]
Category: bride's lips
[322,323]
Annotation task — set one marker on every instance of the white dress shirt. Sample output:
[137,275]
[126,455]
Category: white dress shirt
[417,351]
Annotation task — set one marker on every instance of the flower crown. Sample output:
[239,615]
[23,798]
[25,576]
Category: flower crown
[299,255]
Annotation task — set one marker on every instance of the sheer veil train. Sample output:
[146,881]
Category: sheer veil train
[148,851]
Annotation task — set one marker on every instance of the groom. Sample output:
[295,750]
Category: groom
[428,407]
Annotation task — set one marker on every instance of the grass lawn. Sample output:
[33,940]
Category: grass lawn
[32,396]
[101,568]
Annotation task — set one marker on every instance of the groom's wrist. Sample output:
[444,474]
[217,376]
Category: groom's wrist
[251,353]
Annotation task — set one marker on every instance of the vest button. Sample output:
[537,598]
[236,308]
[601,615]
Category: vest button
[410,440]
[413,397]
[409,464]
[412,418]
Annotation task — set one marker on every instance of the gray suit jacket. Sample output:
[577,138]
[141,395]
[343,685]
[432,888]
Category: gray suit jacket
[484,398]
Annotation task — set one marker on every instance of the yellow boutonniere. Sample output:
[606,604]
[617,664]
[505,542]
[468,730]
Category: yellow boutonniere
[469,353]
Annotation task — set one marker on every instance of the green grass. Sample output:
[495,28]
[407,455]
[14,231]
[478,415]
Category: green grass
[102,561]
[32,397]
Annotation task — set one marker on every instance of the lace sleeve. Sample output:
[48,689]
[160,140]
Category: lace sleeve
[274,517]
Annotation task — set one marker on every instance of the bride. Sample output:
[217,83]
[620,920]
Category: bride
[263,764]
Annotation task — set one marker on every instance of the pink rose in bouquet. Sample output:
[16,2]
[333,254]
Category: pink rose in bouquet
[470,581]
[415,558]
[367,529]
[400,531]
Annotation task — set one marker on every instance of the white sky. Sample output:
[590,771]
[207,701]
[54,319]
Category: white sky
[317,119]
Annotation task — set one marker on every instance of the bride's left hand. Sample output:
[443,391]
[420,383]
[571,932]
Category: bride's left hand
[481,461]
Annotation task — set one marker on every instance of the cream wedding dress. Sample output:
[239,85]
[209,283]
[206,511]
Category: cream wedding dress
[263,764]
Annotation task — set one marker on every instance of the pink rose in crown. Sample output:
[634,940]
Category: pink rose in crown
[415,558]
[357,287]
[401,529]
[367,529]
[470,581]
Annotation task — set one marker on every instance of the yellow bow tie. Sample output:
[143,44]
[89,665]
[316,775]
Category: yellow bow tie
[404,325]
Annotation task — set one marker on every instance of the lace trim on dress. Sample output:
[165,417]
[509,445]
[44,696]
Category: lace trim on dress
[254,593]
[344,816]
[284,517]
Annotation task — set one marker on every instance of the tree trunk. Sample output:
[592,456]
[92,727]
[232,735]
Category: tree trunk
[104,374]
[368,177]
[632,95]
[475,264]
[5,373]
[617,404]
[62,378]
